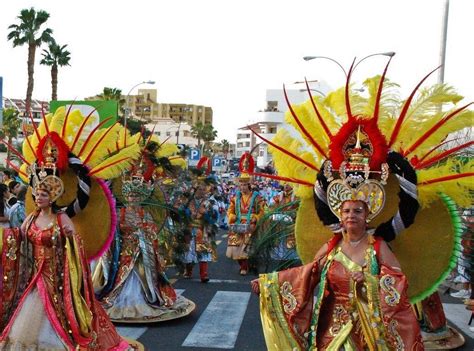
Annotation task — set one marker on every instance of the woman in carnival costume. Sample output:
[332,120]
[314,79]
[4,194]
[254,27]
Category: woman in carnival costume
[47,296]
[363,302]
[199,216]
[245,209]
[130,278]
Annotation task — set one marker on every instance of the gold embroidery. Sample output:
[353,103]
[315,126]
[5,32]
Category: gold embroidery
[288,299]
[393,296]
[340,317]
[396,339]
[12,247]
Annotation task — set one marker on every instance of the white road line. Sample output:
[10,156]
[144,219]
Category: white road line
[225,235]
[459,316]
[179,291]
[131,332]
[218,281]
[218,242]
[219,324]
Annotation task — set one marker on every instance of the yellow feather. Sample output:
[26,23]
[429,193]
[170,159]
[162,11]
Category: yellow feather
[178,162]
[132,153]
[167,150]
[460,190]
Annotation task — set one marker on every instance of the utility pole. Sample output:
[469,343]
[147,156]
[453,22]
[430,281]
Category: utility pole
[444,37]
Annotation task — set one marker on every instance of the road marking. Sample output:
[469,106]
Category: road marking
[218,242]
[131,332]
[219,324]
[225,235]
[457,314]
[179,291]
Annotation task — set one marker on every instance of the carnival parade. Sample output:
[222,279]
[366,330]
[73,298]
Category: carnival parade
[339,220]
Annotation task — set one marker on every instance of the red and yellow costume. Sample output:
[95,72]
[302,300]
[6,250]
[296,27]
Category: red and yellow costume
[47,299]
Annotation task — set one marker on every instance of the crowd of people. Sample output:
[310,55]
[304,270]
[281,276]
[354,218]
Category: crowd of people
[332,235]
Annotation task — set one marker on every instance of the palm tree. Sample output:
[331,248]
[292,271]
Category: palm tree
[225,146]
[28,32]
[113,94]
[11,126]
[210,134]
[56,56]
[198,132]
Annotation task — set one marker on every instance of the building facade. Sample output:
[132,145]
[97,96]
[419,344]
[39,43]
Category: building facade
[268,121]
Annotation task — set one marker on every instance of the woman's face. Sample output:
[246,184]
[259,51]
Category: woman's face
[42,199]
[353,215]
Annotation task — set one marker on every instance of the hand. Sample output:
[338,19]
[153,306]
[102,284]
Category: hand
[358,277]
[68,230]
[255,286]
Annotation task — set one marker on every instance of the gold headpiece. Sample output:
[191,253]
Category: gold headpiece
[354,183]
[246,166]
[134,184]
[44,177]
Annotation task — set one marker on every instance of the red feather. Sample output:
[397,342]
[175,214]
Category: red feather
[251,163]
[348,82]
[98,142]
[434,129]
[446,178]
[12,149]
[379,92]
[444,154]
[91,134]
[320,118]
[63,150]
[306,163]
[63,129]
[303,129]
[375,136]
[403,114]
[14,166]
[204,162]
[285,179]
[83,124]
[43,116]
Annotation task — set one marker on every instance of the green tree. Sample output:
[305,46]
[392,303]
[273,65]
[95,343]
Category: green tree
[29,32]
[113,94]
[11,126]
[56,56]
[209,135]
[198,132]
[225,147]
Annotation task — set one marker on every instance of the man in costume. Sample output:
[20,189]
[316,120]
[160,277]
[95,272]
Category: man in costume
[244,211]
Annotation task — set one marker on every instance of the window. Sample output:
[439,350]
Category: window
[168,133]
[158,133]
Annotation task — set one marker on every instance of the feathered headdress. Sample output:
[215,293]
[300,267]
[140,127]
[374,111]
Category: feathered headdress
[415,137]
[78,151]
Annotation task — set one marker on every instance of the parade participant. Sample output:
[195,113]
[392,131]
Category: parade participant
[47,297]
[130,279]
[17,215]
[244,211]
[200,217]
[331,130]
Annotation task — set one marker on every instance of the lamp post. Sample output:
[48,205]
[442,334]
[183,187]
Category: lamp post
[388,53]
[127,108]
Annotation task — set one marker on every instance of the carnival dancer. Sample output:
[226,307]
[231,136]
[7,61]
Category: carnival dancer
[332,130]
[200,217]
[130,279]
[244,211]
[47,296]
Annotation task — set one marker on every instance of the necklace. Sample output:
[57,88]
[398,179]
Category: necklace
[357,242]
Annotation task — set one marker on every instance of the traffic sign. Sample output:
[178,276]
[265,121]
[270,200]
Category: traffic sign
[194,154]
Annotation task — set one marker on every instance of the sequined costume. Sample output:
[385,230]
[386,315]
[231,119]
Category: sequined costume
[47,296]
[376,316]
[130,279]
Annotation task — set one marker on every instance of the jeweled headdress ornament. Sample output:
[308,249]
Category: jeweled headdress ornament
[44,176]
[246,167]
[136,185]
[357,181]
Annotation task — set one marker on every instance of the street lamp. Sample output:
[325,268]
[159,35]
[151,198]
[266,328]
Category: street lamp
[389,54]
[127,108]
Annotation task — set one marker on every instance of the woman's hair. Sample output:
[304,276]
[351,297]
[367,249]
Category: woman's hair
[12,185]
[3,189]
[54,208]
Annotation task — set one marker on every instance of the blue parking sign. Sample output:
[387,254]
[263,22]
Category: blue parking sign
[194,154]
[216,162]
